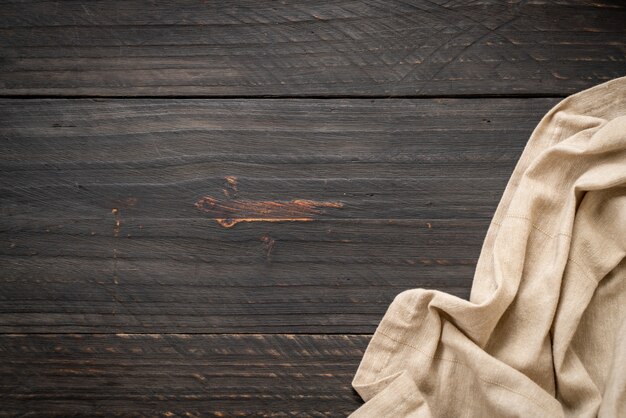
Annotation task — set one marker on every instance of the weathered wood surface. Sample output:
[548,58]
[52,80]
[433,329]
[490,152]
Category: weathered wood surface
[318,213]
[304,48]
[230,255]
[178,375]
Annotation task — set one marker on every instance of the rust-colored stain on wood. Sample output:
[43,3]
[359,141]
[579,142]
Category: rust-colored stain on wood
[229,212]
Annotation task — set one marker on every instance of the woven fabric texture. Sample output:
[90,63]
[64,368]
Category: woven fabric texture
[543,333]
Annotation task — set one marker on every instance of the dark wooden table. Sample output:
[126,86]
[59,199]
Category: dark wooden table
[207,206]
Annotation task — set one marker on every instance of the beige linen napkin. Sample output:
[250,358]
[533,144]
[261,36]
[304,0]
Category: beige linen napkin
[543,333]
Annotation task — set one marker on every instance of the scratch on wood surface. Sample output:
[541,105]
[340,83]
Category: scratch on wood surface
[115,280]
[116,233]
[231,187]
[118,222]
[268,243]
[230,212]
[232,180]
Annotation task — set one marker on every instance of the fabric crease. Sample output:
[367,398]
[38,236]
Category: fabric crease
[543,333]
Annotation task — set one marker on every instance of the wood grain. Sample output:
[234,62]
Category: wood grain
[303,48]
[102,231]
[178,375]
[206,207]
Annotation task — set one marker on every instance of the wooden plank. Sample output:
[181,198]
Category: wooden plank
[303,48]
[178,375]
[322,276]
[355,158]
[244,215]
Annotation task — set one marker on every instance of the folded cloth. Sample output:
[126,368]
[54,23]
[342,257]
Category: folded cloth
[544,331]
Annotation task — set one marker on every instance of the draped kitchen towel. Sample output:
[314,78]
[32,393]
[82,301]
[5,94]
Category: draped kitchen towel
[544,331]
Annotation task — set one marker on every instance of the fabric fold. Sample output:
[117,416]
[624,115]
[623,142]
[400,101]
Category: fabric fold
[543,324]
